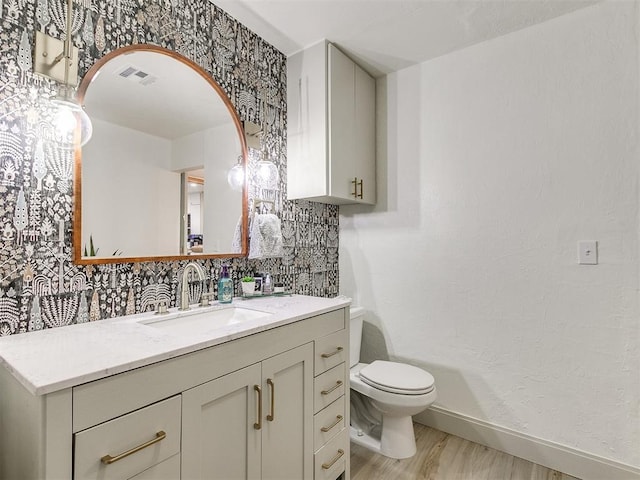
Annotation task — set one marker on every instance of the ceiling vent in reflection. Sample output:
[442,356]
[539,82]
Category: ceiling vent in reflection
[136,75]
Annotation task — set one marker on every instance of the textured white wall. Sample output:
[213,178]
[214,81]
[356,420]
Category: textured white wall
[494,161]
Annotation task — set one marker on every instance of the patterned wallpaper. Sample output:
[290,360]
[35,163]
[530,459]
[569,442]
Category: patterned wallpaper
[40,287]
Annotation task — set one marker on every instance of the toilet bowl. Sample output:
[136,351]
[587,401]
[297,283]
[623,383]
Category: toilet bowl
[384,397]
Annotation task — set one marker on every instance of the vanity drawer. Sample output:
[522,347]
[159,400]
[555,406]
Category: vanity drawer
[330,351]
[157,426]
[331,460]
[328,387]
[166,470]
[327,423]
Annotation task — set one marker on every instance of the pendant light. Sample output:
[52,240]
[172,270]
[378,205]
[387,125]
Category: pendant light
[72,124]
[235,176]
[268,175]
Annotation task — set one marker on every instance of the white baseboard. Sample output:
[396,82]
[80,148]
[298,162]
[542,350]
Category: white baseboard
[555,456]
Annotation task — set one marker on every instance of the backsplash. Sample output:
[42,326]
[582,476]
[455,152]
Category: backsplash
[40,287]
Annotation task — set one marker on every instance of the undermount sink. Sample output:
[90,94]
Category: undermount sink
[200,322]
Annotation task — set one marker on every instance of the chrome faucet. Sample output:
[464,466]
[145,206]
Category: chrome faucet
[184,293]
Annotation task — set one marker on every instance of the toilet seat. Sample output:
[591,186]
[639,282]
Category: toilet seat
[397,378]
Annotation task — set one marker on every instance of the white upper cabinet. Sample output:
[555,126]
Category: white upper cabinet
[331,128]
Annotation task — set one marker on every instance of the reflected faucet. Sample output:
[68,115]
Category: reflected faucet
[184,293]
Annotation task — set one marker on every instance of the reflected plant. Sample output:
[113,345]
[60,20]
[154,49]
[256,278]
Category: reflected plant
[92,250]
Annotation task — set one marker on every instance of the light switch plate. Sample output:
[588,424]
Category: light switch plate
[588,252]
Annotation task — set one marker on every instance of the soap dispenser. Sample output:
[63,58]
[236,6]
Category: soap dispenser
[225,286]
[267,287]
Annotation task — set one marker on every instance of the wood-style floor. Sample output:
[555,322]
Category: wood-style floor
[446,457]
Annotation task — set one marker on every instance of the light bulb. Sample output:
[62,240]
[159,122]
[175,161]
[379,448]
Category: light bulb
[65,122]
[235,177]
[69,117]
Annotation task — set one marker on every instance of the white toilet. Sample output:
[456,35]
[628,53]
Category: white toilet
[384,396]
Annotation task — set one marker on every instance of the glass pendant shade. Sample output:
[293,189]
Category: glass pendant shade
[235,177]
[268,174]
[70,120]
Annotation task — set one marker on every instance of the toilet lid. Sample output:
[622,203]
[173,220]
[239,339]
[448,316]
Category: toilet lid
[397,378]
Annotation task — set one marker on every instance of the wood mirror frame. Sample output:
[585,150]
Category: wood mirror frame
[78,257]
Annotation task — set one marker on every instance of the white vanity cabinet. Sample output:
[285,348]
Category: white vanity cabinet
[249,408]
[331,127]
[253,423]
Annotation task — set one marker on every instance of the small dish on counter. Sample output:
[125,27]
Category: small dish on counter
[263,295]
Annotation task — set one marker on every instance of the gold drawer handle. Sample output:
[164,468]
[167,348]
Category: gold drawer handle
[272,415]
[329,355]
[326,429]
[108,459]
[258,424]
[327,466]
[335,387]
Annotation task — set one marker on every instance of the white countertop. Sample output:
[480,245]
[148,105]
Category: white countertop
[54,359]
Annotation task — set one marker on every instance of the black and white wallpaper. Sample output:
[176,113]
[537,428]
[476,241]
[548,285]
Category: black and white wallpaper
[40,287]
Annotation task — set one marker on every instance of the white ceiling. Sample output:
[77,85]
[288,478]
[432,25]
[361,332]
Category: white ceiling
[388,35]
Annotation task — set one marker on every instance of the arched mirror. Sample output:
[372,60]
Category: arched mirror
[151,184]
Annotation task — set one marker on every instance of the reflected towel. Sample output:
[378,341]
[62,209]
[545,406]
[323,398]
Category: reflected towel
[236,242]
[265,236]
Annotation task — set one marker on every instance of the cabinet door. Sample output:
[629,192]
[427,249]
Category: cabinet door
[287,436]
[341,123]
[307,123]
[219,440]
[364,159]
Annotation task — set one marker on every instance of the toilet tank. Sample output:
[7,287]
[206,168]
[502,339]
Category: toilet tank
[355,334]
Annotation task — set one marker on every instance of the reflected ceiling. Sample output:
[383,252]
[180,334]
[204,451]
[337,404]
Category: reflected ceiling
[127,77]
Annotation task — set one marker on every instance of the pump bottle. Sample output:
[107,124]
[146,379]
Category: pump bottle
[225,286]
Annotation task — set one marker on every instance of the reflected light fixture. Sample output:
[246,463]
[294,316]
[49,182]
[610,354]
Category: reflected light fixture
[268,174]
[59,61]
[235,177]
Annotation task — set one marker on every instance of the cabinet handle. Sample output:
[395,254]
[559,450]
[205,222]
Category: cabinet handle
[357,184]
[258,424]
[327,466]
[335,387]
[108,459]
[335,352]
[271,416]
[338,420]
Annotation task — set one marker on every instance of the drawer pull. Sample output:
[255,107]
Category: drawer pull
[335,387]
[329,355]
[272,415]
[327,466]
[108,459]
[326,429]
[258,424]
